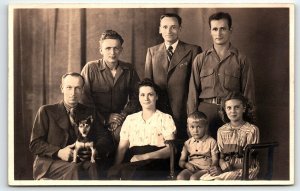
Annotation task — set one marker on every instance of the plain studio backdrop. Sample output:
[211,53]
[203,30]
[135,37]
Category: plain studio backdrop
[50,42]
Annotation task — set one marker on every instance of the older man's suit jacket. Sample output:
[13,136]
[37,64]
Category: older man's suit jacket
[50,133]
[173,79]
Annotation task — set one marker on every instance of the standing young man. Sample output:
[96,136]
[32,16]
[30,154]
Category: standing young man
[169,65]
[110,83]
[218,71]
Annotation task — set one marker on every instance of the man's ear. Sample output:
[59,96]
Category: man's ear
[61,88]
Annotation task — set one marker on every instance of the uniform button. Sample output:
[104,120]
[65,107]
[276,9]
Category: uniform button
[196,150]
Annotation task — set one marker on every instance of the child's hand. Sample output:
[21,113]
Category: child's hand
[225,166]
[190,167]
[214,171]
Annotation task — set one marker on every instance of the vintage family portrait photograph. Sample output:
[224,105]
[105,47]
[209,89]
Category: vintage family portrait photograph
[151,94]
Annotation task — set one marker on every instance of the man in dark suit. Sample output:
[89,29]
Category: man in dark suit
[54,134]
[169,66]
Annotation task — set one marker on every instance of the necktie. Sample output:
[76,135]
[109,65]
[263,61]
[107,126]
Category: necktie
[73,128]
[170,53]
[72,117]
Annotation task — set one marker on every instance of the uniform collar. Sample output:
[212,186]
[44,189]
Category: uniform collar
[103,66]
[231,49]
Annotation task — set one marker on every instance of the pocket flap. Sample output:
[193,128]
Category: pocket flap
[206,72]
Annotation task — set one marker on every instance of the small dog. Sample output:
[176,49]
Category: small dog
[83,142]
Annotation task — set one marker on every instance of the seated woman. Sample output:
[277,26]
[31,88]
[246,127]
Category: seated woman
[142,153]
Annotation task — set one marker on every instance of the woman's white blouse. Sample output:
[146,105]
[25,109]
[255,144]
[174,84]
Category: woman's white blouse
[153,132]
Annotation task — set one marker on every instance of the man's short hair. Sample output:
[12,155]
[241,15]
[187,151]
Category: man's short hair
[172,15]
[75,74]
[219,16]
[198,115]
[110,34]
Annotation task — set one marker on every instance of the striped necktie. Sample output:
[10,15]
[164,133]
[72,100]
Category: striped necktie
[72,117]
[170,53]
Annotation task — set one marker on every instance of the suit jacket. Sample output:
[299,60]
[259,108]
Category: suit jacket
[50,133]
[172,79]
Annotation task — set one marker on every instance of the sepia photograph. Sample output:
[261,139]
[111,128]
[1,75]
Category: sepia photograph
[151,94]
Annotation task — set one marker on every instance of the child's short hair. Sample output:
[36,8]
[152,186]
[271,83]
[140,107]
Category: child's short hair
[198,115]
[247,116]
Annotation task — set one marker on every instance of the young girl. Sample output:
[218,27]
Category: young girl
[232,139]
[200,152]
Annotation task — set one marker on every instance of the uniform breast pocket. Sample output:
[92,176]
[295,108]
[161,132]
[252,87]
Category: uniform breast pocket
[232,80]
[207,78]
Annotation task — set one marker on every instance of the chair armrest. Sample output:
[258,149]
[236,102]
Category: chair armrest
[250,148]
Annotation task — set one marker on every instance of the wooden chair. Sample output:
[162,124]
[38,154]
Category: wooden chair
[252,151]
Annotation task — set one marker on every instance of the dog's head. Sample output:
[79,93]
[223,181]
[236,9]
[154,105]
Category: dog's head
[85,126]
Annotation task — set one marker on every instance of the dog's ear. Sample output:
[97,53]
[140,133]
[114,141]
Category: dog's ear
[90,119]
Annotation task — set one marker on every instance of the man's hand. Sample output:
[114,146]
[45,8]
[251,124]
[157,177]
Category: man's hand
[190,167]
[116,118]
[66,153]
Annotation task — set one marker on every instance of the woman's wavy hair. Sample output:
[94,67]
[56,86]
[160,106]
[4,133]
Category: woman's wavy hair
[148,82]
[248,114]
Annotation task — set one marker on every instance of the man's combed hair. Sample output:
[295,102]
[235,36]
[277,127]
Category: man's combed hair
[111,34]
[172,15]
[219,16]
[75,74]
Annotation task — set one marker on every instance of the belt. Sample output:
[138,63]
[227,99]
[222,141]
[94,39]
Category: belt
[214,100]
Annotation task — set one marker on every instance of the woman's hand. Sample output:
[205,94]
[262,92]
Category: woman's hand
[214,171]
[139,157]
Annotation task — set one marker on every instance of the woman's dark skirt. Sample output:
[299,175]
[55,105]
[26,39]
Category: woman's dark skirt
[154,169]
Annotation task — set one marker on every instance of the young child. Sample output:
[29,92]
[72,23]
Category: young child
[200,152]
[232,139]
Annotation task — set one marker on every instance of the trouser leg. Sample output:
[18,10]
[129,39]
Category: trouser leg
[62,170]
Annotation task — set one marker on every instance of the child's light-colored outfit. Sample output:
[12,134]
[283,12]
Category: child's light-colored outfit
[232,142]
[200,151]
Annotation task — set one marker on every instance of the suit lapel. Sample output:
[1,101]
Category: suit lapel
[179,54]
[162,57]
[62,117]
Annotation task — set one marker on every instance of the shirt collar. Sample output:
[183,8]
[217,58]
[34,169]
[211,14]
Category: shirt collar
[174,45]
[68,107]
[232,49]
[103,66]
[202,139]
